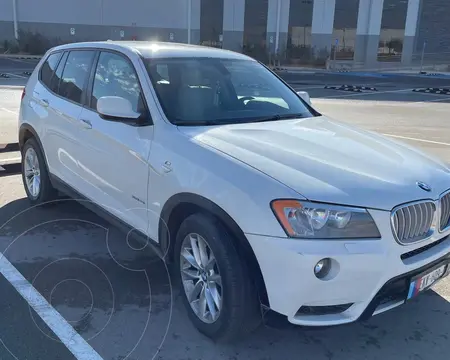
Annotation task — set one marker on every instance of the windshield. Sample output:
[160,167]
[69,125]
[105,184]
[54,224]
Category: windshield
[209,91]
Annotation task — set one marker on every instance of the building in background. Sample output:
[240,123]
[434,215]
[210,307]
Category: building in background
[293,31]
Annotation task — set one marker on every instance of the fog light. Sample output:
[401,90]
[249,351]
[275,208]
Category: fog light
[322,268]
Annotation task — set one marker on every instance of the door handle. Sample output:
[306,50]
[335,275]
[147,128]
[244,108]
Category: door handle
[44,102]
[86,124]
[167,167]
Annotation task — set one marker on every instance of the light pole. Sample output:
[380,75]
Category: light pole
[304,35]
[16,27]
[277,33]
[423,55]
[343,38]
[189,15]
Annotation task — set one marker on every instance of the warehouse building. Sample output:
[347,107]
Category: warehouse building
[295,31]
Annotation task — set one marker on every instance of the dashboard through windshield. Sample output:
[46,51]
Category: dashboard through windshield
[214,91]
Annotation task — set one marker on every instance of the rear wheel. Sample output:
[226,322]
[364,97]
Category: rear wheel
[216,287]
[35,176]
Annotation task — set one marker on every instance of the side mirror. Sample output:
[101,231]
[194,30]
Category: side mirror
[116,108]
[305,96]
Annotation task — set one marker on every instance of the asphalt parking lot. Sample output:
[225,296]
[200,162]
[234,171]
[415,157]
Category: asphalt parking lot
[118,298]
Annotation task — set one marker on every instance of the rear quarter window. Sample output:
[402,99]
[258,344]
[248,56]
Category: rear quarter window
[48,68]
[56,78]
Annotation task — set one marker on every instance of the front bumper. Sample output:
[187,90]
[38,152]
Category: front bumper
[368,276]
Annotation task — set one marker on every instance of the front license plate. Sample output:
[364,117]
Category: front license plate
[425,281]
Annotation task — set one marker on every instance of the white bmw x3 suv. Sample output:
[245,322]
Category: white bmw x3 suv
[258,200]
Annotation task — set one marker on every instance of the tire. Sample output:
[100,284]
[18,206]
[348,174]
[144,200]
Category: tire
[45,193]
[240,309]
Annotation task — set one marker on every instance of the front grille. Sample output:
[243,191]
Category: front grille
[422,249]
[444,204]
[412,223]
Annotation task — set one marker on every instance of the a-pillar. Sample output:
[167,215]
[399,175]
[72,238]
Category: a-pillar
[278,18]
[368,31]
[322,25]
[412,16]
[233,24]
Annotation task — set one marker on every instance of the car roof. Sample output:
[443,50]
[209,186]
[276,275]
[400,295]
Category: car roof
[155,49]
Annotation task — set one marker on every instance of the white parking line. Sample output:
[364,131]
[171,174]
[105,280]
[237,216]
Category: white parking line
[335,100]
[365,94]
[62,329]
[10,111]
[416,139]
[4,345]
[10,161]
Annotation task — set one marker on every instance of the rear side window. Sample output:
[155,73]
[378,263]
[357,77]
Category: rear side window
[48,68]
[56,78]
[75,75]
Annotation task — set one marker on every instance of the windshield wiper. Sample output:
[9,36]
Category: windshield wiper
[198,122]
[278,117]
[237,120]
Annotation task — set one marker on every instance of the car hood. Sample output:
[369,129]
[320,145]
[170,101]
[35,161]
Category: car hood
[329,161]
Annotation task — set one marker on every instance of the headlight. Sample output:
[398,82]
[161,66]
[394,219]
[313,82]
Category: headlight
[302,219]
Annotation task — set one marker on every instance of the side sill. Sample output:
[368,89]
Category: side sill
[66,189]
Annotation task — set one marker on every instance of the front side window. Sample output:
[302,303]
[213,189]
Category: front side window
[208,91]
[115,76]
[75,74]
[48,68]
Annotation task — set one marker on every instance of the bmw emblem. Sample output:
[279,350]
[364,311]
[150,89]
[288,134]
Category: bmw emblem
[423,186]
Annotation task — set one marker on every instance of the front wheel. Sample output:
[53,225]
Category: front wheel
[216,287]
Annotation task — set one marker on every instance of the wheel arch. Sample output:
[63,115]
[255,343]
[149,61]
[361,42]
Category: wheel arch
[182,205]
[26,131]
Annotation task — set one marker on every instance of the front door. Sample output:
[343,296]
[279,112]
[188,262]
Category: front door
[115,153]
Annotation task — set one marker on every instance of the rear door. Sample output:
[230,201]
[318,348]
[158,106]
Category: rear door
[41,99]
[113,161]
[61,101]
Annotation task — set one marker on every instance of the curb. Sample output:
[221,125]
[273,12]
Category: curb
[21,57]
[279,69]
[11,87]
[351,88]
[444,91]
[7,75]
[11,147]
[297,71]
[435,74]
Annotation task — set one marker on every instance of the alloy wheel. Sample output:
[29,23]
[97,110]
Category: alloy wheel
[32,172]
[201,278]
